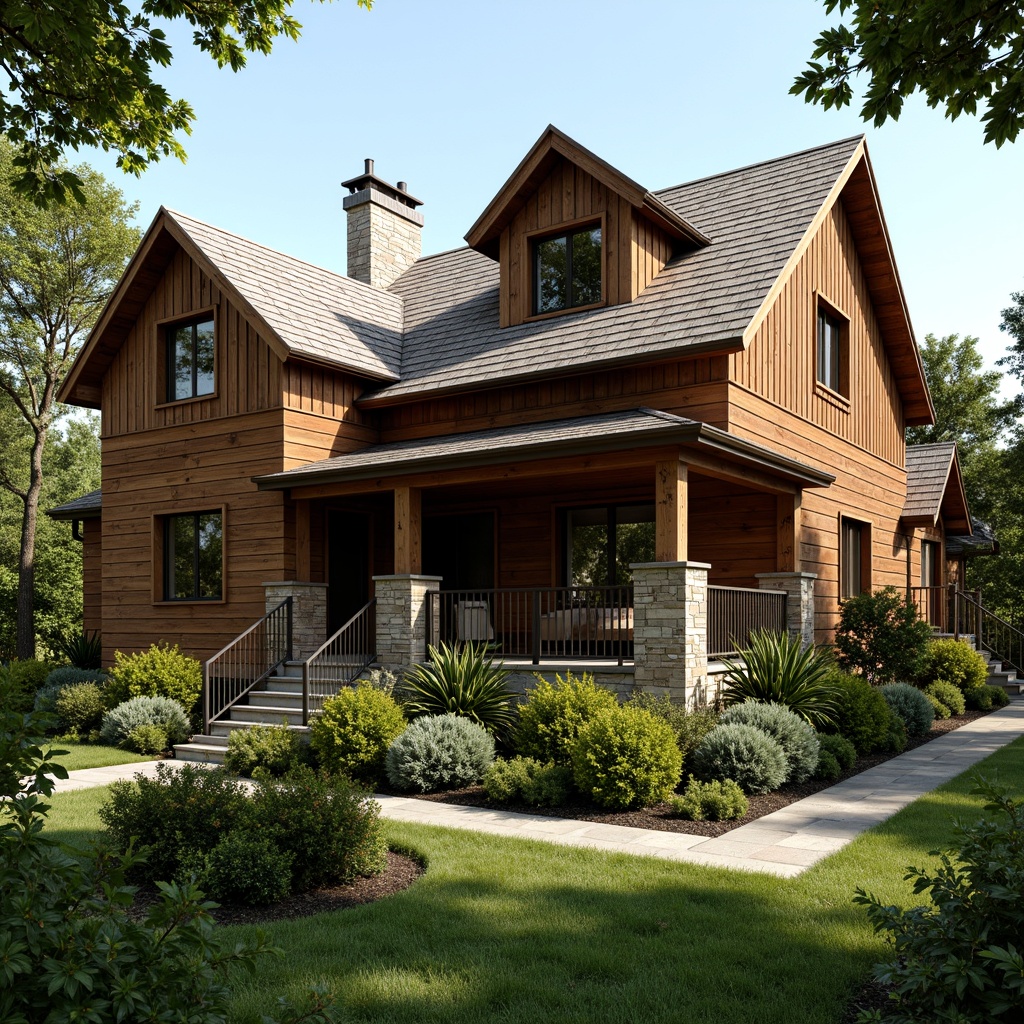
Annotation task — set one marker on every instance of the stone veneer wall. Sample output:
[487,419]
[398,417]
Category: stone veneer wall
[309,613]
[402,619]
[799,588]
[383,237]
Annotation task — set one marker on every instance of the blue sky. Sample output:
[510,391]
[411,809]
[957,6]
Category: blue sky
[448,95]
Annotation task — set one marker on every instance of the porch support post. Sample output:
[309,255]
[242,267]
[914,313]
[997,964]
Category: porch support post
[670,629]
[402,618]
[309,613]
[670,516]
[303,555]
[408,531]
[787,532]
[799,588]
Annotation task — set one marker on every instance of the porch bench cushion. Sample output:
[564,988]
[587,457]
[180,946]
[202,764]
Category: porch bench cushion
[567,624]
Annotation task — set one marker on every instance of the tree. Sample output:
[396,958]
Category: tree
[80,73]
[960,53]
[57,267]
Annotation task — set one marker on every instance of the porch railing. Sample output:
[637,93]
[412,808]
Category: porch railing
[942,608]
[570,623]
[247,660]
[341,660]
[735,612]
[991,633]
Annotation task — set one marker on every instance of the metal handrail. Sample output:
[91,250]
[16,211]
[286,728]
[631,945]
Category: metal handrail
[340,660]
[249,659]
[991,633]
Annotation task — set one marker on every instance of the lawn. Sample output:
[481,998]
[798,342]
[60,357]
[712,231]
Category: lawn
[523,932]
[93,755]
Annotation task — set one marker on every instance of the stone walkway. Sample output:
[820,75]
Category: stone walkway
[783,843]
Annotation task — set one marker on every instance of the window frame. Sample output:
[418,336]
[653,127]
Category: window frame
[165,329]
[931,548]
[612,523]
[162,572]
[824,308]
[863,557]
[567,229]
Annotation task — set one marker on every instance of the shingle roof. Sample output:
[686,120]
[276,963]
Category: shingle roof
[928,467]
[84,507]
[605,432]
[983,541]
[317,313]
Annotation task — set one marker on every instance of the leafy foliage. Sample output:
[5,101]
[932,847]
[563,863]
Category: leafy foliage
[960,959]
[244,867]
[911,705]
[461,680]
[720,800]
[775,669]
[83,650]
[21,680]
[942,712]
[798,740]
[829,768]
[439,752]
[273,748]
[958,54]
[985,698]
[162,671]
[840,748]
[523,778]
[127,717]
[553,714]
[58,678]
[79,708]
[748,756]
[352,733]
[625,758]
[895,739]
[880,636]
[147,739]
[956,662]
[864,715]
[949,695]
[690,725]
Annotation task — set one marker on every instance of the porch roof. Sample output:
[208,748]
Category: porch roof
[87,506]
[608,432]
[935,488]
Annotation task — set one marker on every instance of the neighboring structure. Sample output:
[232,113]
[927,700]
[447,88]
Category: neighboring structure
[650,396]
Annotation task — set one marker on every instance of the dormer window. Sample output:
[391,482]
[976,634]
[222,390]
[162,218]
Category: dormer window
[190,354]
[567,270]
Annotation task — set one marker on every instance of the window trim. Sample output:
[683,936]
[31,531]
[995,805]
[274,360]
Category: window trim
[865,555]
[159,554]
[564,514]
[163,329]
[568,227]
[930,544]
[841,395]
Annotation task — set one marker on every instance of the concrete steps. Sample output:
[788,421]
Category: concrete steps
[998,674]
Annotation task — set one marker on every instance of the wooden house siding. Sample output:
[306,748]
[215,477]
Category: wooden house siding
[92,575]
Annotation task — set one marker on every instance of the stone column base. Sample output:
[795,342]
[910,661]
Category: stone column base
[799,588]
[402,619]
[309,613]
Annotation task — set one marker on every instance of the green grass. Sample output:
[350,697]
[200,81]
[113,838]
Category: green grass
[525,932]
[93,755]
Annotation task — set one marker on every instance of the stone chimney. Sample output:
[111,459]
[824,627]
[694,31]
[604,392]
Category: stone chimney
[383,228]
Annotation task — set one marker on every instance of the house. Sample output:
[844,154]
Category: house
[619,427]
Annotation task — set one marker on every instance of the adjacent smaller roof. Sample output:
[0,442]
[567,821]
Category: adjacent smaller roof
[982,541]
[935,488]
[616,431]
[88,506]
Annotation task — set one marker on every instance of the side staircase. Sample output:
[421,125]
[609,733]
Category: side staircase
[1000,673]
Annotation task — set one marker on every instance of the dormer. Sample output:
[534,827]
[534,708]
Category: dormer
[571,233]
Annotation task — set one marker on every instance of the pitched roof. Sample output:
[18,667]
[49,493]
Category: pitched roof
[935,488]
[605,432]
[85,507]
[981,541]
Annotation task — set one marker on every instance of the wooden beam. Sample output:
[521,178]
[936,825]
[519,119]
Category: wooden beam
[670,511]
[303,553]
[408,530]
[787,532]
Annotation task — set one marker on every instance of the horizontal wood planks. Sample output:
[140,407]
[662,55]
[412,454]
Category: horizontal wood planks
[92,575]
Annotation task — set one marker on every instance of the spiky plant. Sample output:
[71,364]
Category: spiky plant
[461,680]
[83,650]
[775,668]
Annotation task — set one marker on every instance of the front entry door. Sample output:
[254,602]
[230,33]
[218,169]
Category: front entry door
[348,566]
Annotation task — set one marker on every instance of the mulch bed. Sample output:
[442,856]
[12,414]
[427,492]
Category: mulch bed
[657,817]
[400,873]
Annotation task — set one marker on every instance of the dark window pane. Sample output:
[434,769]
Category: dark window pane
[634,542]
[181,363]
[551,286]
[183,541]
[851,557]
[204,358]
[209,556]
[828,350]
[194,562]
[586,268]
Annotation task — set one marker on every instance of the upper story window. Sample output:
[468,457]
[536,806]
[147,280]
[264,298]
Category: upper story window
[567,271]
[190,349]
[193,548]
[832,350]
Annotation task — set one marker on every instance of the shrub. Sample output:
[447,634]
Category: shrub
[956,662]
[950,695]
[798,740]
[940,709]
[58,678]
[863,713]
[690,725]
[985,698]
[147,739]
[271,747]
[828,769]
[127,717]
[244,867]
[352,733]
[23,680]
[895,739]
[881,637]
[960,958]
[83,650]
[381,679]
[709,801]
[625,758]
[553,714]
[464,681]
[504,780]
[162,671]
[549,785]
[751,758]
[79,708]
[841,749]
[439,752]
[911,705]
[775,669]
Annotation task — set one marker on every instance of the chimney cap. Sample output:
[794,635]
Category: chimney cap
[368,180]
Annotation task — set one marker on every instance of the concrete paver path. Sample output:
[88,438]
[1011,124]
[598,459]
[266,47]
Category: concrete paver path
[783,843]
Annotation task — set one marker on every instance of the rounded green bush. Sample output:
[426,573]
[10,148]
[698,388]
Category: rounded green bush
[863,713]
[841,749]
[1000,698]
[955,662]
[751,758]
[352,733]
[79,708]
[553,714]
[274,748]
[504,780]
[127,717]
[626,758]
[23,680]
[58,678]
[720,800]
[950,695]
[911,705]
[828,769]
[246,867]
[147,739]
[798,740]
[439,752]
[895,740]
[690,725]
[549,785]
[940,709]
[162,671]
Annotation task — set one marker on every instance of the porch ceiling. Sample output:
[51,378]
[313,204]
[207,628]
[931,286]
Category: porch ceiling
[617,432]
